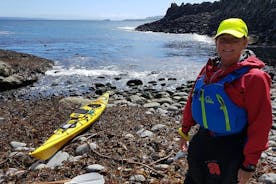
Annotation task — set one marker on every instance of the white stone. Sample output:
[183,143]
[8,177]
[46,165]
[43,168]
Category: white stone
[158,127]
[144,133]
[95,168]
[16,144]
[57,159]
[268,178]
[137,178]
[89,178]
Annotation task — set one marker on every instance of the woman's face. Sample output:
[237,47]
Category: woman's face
[229,48]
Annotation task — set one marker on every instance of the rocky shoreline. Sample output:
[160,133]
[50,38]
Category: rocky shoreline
[20,69]
[204,18]
[134,141]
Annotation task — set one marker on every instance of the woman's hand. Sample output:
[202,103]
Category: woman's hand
[244,176]
[183,145]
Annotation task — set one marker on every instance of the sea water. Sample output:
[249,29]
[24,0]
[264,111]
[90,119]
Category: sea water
[86,52]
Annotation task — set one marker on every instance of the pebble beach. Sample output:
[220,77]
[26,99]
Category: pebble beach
[134,141]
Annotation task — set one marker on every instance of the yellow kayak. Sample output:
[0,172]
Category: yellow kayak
[79,120]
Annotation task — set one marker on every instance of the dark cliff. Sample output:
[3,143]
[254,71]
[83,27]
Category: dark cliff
[260,16]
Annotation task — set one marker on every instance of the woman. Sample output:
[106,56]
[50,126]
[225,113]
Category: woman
[231,103]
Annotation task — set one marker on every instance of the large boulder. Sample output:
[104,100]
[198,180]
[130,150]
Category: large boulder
[20,69]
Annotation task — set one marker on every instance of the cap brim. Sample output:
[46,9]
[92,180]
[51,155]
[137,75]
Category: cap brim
[234,33]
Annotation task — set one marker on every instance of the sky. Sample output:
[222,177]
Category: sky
[88,9]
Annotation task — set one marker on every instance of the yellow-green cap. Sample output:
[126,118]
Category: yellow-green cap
[233,26]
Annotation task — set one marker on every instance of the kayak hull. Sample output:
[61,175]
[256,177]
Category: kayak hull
[78,122]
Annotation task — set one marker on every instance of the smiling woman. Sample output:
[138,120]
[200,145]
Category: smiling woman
[225,104]
[229,49]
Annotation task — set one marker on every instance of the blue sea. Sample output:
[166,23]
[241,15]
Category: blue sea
[87,52]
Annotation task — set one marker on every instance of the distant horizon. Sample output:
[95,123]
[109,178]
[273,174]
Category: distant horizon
[34,18]
[87,9]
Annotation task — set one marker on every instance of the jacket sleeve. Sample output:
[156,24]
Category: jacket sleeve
[187,119]
[258,104]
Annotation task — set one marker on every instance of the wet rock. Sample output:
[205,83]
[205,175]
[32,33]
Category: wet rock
[134,82]
[13,76]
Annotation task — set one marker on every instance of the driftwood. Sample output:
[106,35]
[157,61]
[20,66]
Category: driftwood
[54,182]
[133,162]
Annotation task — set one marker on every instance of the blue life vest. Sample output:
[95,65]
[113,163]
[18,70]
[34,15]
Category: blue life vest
[213,109]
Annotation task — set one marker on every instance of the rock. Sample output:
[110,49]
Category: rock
[73,102]
[40,166]
[84,148]
[161,111]
[178,155]
[163,100]
[144,133]
[129,136]
[89,178]
[16,144]
[161,167]
[16,154]
[99,85]
[19,174]
[2,175]
[5,69]
[75,159]
[57,159]
[137,178]
[136,99]
[133,133]
[134,82]
[95,168]
[11,171]
[13,76]
[269,178]
[152,105]
[158,127]
[23,149]
[172,108]
[204,18]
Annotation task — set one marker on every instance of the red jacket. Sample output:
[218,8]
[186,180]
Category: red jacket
[252,92]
